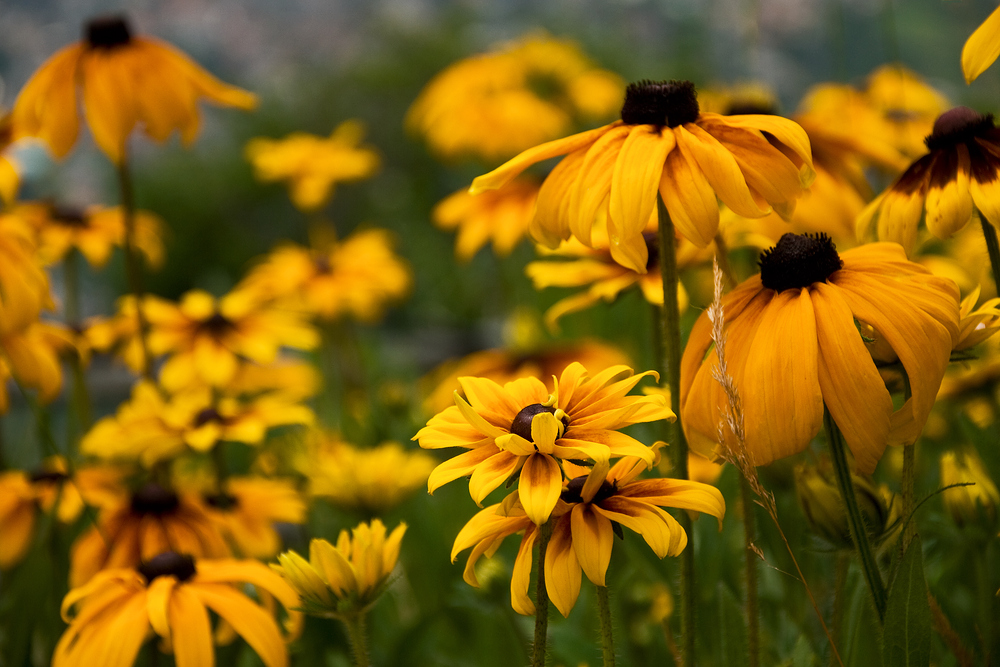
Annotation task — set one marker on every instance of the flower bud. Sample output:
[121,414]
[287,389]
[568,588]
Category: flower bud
[819,497]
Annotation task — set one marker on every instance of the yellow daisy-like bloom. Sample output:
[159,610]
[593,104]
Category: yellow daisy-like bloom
[94,232]
[313,165]
[357,277]
[170,595]
[968,504]
[960,175]
[590,504]
[346,577]
[526,92]
[247,509]
[522,429]
[208,338]
[151,521]
[122,81]
[501,217]
[982,47]
[663,145]
[374,479]
[795,344]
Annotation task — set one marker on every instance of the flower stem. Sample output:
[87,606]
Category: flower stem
[355,624]
[843,563]
[80,397]
[992,247]
[671,330]
[133,262]
[906,484]
[854,519]
[607,639]
[750,564]
[538,647]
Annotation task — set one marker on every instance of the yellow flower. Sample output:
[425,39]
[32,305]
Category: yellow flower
[292,378]
[502,217]
[346,577]
[522,429]
[17,516]
[313,165]
[94,232]
[374,479]
[821,503]
[960,175]
[208,338]
[968,504]
[246,511]
[31,356]
[982,47]
[170,595]
[358,277]
[663,144]
[151,521]
[589,506]
[496,104]
[979,324]
[122,81]
[907,105]
[794,345]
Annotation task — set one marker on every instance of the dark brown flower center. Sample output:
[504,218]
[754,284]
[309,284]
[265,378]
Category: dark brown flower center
[522,422]
[957,126]
[69,216]
[207,415]
[740,107]
[222,501]
[48,476]
[660,103]
[154,499]
[107,32]
[168,564]
[218,324]
[652,250]
[574,490]
[799,260]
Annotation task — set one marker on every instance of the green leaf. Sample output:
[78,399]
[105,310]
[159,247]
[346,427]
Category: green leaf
[907,636]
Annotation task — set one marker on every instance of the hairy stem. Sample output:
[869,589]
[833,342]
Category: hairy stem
[607,639]
[539,645]
[750,564]
[355,624]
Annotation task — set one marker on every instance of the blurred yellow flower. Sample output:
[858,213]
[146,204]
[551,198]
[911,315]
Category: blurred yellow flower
[496,104]
[10,177]
[346,578]
[246,510]
[982,47]
[908,106]
[821,503]
[973,503]
[122,81]
[500,216]
[24,286]
[169,596]
[313,165]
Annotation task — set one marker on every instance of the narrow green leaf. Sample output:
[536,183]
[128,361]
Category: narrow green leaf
[907,636]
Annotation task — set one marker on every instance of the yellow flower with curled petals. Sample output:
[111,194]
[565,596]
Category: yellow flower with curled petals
[982,48]
[313,165]
[500,216]
[521,429]
[663,145]
[795,344]
[122,81]
[170,595]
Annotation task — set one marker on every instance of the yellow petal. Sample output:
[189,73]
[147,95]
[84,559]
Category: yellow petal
[949,203]
[690,198]
[562,570]
[47,105]
[721,170]
[251,622]
[107,100]
[539,487]
[192,636]
[982,47]
[592,542]
[520,577]
[636,180]
[157,598]
[660,530]
[593,183]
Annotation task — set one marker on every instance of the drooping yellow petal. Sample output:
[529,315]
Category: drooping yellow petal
[47,105]
[949,202]
[689,197]
[157,598]
[982,47]
[562,570]
[110,109]
[520,577]
[539,487]
[593,182]
[592,542]
[192,636]
[491,473]
[249,620]
[636,179]
[679,493]
[721,170]
[660,530]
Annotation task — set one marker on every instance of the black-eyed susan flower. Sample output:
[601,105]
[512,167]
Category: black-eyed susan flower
[973,503]
[313,165]
[151,520]
[795,346]
[982,47]
[958,176]
[500,216]
[520,428]
[170,596]
[122,81]
[246,509]
[663,145]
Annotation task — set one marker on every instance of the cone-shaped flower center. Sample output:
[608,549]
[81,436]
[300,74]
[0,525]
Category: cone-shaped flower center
[168,564]
[154,499]
[573,493]
[799,261]
[69,216]
[522,422]
[660,103]
[957,126]
[207,415]
[107,32]
[217,325]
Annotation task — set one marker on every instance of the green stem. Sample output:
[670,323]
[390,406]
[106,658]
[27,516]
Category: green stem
[854,519]
[80,395]
[839,602]
[906,484]
[355,624]
[671,329]
[538,647]
[993,248]
[750,564]
[607,638]
[133,263]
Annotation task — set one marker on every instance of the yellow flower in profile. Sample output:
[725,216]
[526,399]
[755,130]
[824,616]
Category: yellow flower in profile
[663,145]
[346,577]
[247,509]
[94,232]
[520,429]
[170,596]
[373,479]
[357,277]
[313,165]
[502,217]
[795,344]
[957,177]
[973,503]
[122,81]
[982,47]
[496,104]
